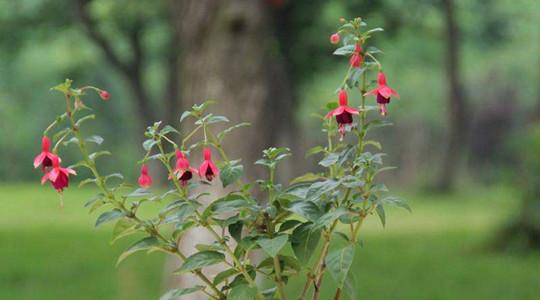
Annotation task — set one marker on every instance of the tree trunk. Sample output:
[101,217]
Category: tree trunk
[457,105]
[229,54]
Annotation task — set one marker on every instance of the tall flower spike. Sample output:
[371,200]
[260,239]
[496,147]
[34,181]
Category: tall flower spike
[145,181]
[208,169]
[183,171]
[44,159]
[383,93]
[58,176]
[343,113]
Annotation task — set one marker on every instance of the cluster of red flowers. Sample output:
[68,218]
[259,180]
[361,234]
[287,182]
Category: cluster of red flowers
[183,171]
[382,92]
[50,165]
[59,176]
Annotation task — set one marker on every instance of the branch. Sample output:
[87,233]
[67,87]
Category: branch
[98,37]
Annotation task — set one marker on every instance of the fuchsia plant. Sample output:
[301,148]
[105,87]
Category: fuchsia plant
[307,228]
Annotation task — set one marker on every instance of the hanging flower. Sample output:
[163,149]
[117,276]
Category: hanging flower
[145,181]
[58,176]
[44,159]
[343,113]
[356,58]
[334,38]
[208,169]
[383,93]
[183,171]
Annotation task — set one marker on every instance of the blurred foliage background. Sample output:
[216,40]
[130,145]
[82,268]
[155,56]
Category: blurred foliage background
[466,125]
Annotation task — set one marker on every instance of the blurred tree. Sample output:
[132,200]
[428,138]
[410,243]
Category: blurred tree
[457,105]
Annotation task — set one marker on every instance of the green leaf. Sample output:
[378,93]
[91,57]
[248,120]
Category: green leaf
[317,189]
[377,123]
[396,201]
[168,129]
[174,293]
[217,119]
[289,224]
[185,115]
[235,230]
[329,217]
[222,134]
[304,241]
[231,172]
[339,262]
[95,155]
[306,209]
[148,144]
[329,160]
[85,118]
[345,50]
[308,177]
[146,243]
[222,276]
[95,139]
[109,216]
[87,181]
[242,292]
[63,87]
[140,192]
[201,259]
[380,212]
[122,228]
[274,245]
[313,151]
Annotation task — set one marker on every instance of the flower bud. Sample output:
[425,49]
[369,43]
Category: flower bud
[104,95]
[334,38]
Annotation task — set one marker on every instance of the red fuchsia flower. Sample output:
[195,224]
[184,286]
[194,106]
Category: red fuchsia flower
[383,93]
[44,159]
[145,181]
[104,95]
[356,58]
[334,38]
[343,113]
[208,168]
[183,171]
[58,176]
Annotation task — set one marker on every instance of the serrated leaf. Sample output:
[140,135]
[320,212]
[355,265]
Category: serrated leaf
[339,262]
[274,245]
[308,177]
[200,260]
[140,192]
[110,216]
[144,244]
[396,201]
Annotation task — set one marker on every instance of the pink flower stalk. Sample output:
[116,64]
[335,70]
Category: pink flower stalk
[183,171]
[343,113]
[383,93]
[104,95]
[208,169]
[334,38]
[58,176]
[145,181]
[44,159]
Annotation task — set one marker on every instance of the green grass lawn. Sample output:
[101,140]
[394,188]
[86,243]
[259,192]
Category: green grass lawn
[438,252]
